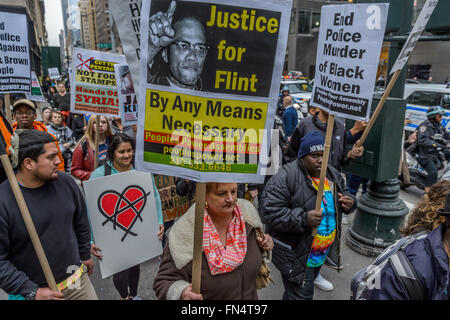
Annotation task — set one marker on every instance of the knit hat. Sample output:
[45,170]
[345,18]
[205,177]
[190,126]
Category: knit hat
[311,142]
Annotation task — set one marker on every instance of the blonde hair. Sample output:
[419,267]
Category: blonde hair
[89,135]
[424,216]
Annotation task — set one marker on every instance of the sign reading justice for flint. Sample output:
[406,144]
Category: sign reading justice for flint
[348,52]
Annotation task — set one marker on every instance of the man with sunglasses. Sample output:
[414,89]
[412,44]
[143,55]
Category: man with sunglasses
[182,46]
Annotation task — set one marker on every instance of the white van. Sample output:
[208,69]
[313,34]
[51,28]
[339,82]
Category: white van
[300,90]
[419,97]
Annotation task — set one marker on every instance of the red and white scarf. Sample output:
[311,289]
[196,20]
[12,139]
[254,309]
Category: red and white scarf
[221,259]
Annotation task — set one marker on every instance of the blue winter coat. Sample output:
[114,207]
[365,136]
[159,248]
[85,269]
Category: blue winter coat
[430,261]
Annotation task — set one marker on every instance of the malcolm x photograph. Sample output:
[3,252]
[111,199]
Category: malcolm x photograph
[187,50]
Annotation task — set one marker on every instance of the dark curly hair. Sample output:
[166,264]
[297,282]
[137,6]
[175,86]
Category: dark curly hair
[424,216]
[116,141]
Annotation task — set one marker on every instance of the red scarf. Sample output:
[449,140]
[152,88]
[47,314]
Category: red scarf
[221,259]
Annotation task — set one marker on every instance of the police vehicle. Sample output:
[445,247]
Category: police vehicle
[419,97]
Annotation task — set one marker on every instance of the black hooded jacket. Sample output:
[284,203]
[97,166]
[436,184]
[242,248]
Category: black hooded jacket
[287,198]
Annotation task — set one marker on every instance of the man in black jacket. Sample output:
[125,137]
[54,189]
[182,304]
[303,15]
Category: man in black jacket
[341,137]
[288,210]
[58,211]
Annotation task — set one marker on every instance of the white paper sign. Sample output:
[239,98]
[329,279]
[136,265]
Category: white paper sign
[348,52]
[127,96]
[93,82]
[53,73]
[15,72]
[414,36]
[124,219]
[36,92]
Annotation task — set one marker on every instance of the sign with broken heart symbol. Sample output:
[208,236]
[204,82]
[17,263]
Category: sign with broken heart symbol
[123,209]
[124,219]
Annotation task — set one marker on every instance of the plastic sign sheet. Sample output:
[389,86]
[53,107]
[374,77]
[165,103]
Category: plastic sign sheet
[93,82]
[127,96]
[348,53]
[15,72]
[210,75]
[124,221]
[36,92]
[419,26]
[53,73]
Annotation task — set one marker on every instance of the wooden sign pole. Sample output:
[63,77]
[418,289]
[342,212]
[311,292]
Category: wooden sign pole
[379,107]
[97,127]
[323,170]
[200,197]
[27,217]
[8,108]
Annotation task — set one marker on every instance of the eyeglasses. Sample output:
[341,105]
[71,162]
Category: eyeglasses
[183,46]
[28,113]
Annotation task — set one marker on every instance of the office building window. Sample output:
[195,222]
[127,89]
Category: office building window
[307,20]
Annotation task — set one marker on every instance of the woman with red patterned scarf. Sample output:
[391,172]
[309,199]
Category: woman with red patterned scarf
[232,250]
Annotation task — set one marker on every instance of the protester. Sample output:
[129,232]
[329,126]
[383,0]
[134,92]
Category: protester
[61,222]
[120,159]
[78,124]
[428,255]
[318,122]
[231,257]
[83,158]
[64,136]
[288,210]
[50,96]
[25,114]
[62,101]
[338,159]
[46,112]
[290,117]
[431,137]
[117,126]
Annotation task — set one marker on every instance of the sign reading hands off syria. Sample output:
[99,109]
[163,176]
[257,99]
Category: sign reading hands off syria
[210,74]
[348,52]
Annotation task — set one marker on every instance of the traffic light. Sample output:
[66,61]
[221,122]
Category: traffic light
[399,16]
[440,22]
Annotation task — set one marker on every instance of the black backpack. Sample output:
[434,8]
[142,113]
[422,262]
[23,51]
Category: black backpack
[395,256]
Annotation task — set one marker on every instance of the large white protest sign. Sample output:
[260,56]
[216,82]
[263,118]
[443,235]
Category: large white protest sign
[124,219]
[15,72]
[209,86]
[53,73]
[414,36]
[127,96]
[126,14]
[36,92]
[348,52]
[93,82]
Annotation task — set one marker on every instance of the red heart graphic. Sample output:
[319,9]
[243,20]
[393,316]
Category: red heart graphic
[123,209]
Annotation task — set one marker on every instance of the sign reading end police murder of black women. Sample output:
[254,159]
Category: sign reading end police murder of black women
[348,52]
[209,86]
[15,72]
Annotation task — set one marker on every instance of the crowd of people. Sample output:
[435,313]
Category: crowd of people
[47,156]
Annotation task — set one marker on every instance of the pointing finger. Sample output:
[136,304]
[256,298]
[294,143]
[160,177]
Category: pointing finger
[171,10]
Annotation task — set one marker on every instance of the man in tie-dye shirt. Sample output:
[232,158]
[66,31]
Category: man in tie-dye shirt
[288,210]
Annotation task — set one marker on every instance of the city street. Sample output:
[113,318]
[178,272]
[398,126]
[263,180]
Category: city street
[351,260]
